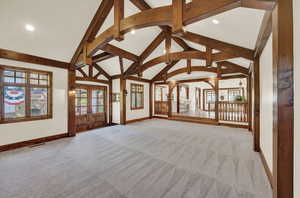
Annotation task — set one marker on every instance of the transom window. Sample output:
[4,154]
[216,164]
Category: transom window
[137,96]
[25,94]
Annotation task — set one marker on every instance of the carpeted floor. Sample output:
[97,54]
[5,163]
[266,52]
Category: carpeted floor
[149,159]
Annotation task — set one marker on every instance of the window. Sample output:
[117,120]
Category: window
[137,96]
[25,94]
[81,101]
[90,99]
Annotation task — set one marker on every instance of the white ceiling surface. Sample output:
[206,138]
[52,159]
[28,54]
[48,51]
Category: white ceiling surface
[59,26]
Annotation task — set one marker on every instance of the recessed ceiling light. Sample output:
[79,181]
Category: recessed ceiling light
[29,28]
[215,21]
[132,31]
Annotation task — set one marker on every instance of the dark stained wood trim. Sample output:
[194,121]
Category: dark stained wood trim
[121,65]
[17,56]
[233,125]
[94,27]
[264,33]
[92,80]
[234,67]
[283,102]
[82,72]
[137,120]
[256,124]
[32,142]
[193,68]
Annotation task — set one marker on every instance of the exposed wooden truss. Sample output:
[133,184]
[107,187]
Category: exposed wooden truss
[264,33]
[171,20]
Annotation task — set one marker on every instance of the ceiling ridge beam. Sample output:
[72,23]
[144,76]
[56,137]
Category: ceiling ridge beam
[94,27]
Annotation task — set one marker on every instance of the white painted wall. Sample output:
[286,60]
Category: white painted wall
[266,103]
[22,131]
[297,97]
[140,113]
[107,94]
[116,105]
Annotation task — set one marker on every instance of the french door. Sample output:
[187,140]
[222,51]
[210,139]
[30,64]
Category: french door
[90,107]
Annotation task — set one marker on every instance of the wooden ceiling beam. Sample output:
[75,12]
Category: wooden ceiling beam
[173,57]
[164,71]
[221,56]
[146,53]
[168,43]
[101,57]
[82,72]
[17,56]
[103,72]
[264,34]
[233,67]
[220,45]
[189,66]
[94,27]
[120,52]
[259,4]
[118,16]
[121,65]
[209,58]
[193,68]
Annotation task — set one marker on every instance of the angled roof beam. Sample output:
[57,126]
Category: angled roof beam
[146,53]
[164,71]
[264,33]
[259,4]
[101,57]
[121,65]
[120,52]
[233,67]
[82,72]
[95,25]
[102,71]
[220,45]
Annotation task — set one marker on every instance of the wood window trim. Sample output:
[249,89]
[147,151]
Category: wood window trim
[132,93]
[27,86]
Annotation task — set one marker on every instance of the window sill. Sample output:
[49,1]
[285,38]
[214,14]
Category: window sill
[8,121]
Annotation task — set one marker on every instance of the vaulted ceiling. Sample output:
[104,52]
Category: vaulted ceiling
[60,26]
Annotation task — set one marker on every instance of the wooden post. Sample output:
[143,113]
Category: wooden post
[189,66]
[249,99]
[123,101]
[283,105]
[118,16]
[217,99]
[256,127]
[168,48]
[150,100]
[178,98]
[178,6]
[110,102]
[208,56]
[71,102]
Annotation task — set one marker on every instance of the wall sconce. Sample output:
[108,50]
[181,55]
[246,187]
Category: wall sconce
[72,92]
[125,92]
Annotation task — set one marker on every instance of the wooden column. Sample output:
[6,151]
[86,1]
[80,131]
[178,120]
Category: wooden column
[150,100]
[71,102]
[110,102]
[256,121]
[189,66]
[249,99]
[178,98]
[283,106]
[168,43]
[217,99]
[123,101]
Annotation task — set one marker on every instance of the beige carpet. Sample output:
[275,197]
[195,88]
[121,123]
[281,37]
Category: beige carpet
[149,159]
